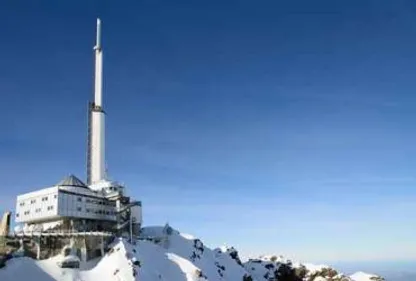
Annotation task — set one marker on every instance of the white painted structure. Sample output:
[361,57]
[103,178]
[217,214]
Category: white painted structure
[63,201]
[71,199]
[97,145]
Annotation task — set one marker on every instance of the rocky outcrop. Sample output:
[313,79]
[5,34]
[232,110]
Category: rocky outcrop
[5,224]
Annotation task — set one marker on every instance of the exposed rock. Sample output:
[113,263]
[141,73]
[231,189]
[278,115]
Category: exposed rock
[5,224]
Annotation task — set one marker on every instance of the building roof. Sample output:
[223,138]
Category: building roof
[72,180]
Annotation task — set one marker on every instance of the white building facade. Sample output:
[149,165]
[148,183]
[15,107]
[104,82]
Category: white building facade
[69,199]
[79,207]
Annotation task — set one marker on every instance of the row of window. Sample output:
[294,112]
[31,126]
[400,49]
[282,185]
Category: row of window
[98,202]
[38,210]
[99,212]
[79,199]
[33,201]
[79,209]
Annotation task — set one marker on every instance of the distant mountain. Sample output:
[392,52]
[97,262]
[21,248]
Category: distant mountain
[166,254]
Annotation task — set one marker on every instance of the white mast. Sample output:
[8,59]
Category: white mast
[97,142]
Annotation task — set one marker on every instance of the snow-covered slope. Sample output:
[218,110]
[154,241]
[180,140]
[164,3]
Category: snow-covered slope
[361,276]
[166,254]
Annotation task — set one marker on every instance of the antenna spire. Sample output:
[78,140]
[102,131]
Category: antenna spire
[96,149]
[98,40]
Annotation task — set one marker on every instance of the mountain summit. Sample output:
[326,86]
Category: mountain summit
[163,253]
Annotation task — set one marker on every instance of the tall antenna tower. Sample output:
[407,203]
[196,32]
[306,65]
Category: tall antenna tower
[96,129]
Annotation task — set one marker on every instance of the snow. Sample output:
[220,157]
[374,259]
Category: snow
[162,254]
[314,268]
[362,276]
[187,236]
[51,225]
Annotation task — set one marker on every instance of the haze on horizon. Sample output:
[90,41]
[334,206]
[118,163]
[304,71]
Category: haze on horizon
[256,124]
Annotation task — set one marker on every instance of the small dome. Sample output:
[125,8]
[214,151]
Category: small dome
[72,180]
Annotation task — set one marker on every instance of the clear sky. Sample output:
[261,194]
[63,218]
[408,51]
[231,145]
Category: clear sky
[274,127]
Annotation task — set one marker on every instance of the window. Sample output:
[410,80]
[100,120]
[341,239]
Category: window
[44,198]
[79,199]
[38,210]
[50,208]
[33,201]
[55,196]
[17,215]
[27,212]
[79,209]
[22,203]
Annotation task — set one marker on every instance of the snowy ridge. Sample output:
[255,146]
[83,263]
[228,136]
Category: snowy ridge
[361,276]
[165,254]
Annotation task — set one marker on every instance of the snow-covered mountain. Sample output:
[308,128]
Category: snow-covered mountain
[166,254]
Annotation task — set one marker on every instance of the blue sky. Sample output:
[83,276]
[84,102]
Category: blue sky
[282,128]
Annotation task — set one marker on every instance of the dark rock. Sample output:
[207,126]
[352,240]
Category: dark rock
[69,264]
[2,261]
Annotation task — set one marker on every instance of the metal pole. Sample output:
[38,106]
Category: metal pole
[131,227]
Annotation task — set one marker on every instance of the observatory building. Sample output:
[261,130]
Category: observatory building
[74,206]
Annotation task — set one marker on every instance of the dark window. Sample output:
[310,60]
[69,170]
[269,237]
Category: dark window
[79,199]
[79,209]
[17,215]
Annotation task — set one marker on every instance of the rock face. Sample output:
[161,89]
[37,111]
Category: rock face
[5,224]
[163,253]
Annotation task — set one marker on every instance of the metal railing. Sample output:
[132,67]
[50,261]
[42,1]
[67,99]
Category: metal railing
[61,233]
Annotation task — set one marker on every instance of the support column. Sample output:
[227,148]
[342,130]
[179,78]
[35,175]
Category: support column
[37,243]
[102,246]
[84,254]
